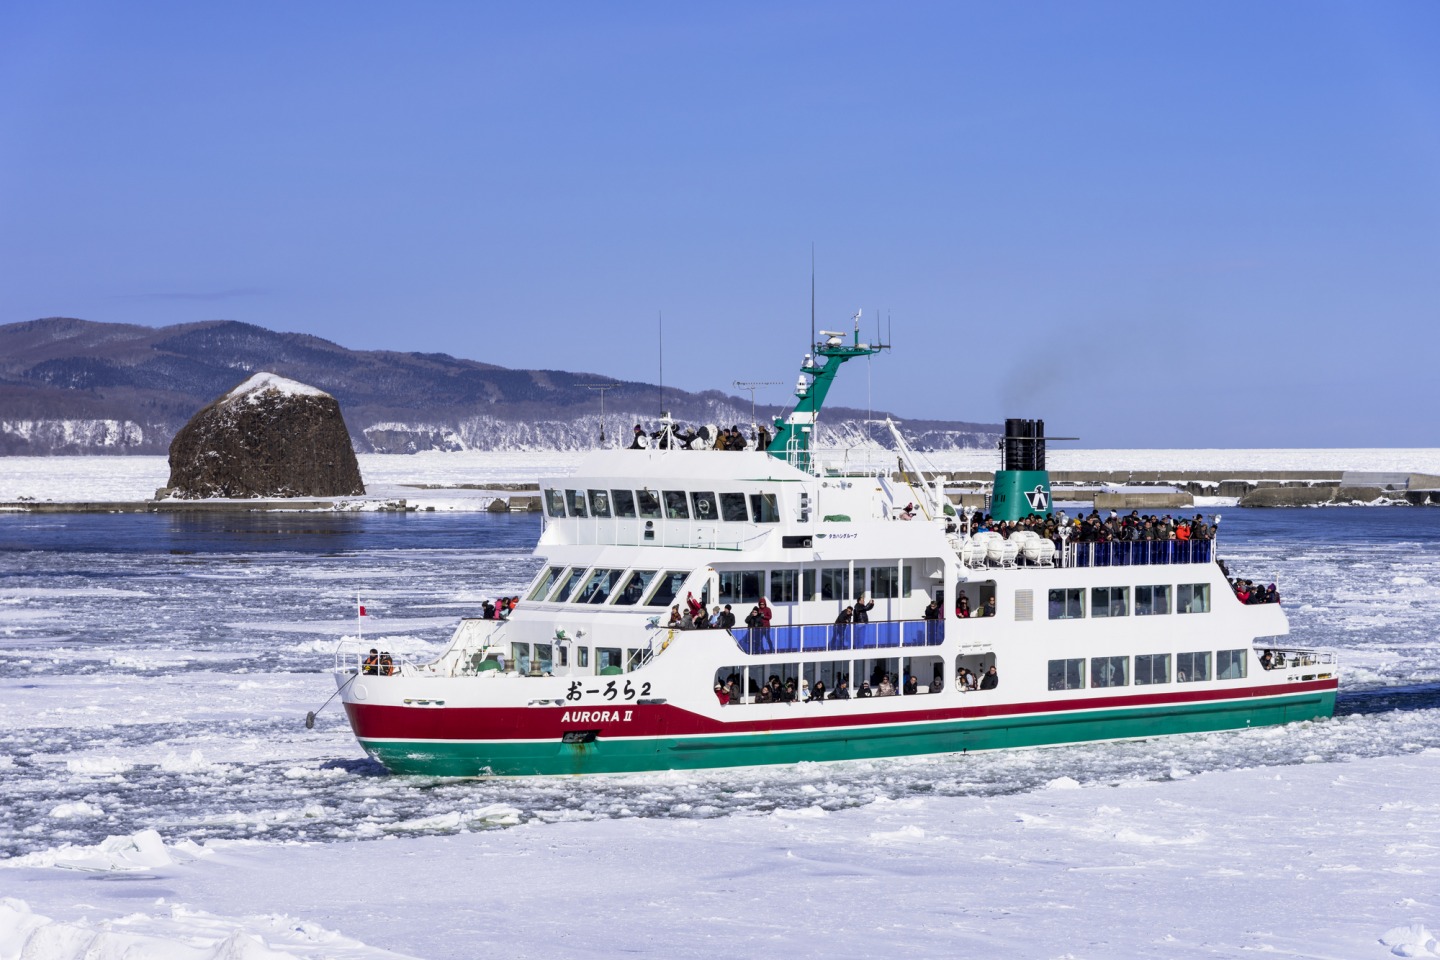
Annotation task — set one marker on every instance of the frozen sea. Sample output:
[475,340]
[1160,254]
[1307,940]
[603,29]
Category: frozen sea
[159,788]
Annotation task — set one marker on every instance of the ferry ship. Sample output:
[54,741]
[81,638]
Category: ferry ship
[1071,641]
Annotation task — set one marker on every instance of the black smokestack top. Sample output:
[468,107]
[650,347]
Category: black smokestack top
[1024,445]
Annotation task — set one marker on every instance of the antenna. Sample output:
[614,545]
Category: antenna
[602,387]
[660,319]
[752,386]
[812,296]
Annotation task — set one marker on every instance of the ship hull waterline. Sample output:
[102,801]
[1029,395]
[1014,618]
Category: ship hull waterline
[445,755]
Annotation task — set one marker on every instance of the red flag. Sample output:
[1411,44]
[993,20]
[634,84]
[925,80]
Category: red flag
[362,610]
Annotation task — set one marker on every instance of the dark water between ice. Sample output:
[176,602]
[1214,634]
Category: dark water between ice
[155,671]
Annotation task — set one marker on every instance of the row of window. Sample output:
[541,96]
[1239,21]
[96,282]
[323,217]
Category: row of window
[656,588]
[1069,603]
[663,504]
[547,656]
[1149,668]
[827,583]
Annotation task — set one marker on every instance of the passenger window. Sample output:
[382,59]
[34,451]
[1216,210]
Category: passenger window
[732,507]
[568,585]
[1152,601]
[520,656]
[704,506]
[1192,598]
[575,500]
[1230,664]
[1067,674]
[562,656]
[607,661]
[598,587]
[649,504]
[764,508]
[582,657]
[623,502]
[1109,671]
[741,586]
[807,589]
[667,589]
[554,503]
[543,655]
[1067,604]
[634,588]
[784,586]
[599,503]
[835,583]
[632,659]
[675,506]
[1152,667]
[1190,667]
[1109,601]
[543,585]
[884,583]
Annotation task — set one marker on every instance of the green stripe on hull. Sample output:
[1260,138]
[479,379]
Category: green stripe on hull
[533,758]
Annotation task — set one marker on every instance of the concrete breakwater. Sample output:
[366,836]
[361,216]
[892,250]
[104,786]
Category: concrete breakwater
[1165,490]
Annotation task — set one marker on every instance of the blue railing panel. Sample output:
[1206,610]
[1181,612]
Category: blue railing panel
[816,636]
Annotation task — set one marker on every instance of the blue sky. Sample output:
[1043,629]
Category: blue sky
[1151,224]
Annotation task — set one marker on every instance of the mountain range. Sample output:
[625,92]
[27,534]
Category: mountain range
[72,386]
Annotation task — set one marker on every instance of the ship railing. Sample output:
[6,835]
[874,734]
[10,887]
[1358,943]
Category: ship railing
[1136,553]
[820,637]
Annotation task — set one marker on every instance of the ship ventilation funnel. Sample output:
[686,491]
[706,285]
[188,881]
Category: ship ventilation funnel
[1024,445]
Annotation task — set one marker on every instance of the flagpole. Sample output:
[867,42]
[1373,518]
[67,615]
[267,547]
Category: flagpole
[359,619]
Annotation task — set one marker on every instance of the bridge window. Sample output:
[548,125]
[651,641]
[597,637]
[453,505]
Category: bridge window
[784,586]
[1152,600]
[1109,601]
[1230,664]
[598,587]
[765,508]
[623,502]
[634,588]
[546,581]
[649,504]
[668,588]
[599,503]
[568,585]
[1192,598]
[575,500]
[1152,668]
[676,507]
[1067,604]
[704,506]
[1190,667]
[554,503]
[1067,674]
[732,507]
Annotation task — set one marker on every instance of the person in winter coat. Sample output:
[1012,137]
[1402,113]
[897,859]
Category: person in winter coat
[862,609]
[991,679]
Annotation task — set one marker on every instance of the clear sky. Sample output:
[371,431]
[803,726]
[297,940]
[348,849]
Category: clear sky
[1152,224]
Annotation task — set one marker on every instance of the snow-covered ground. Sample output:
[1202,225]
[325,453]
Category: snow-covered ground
[137,478]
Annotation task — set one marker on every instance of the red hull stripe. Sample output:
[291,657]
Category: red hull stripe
[385,722]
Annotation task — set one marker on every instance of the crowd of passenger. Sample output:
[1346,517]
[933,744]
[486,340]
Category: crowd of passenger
[704,438]
[692,615]
[1249,592]
[1093,528]
[499,609]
